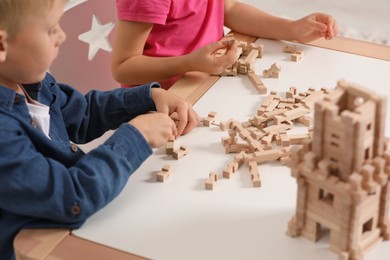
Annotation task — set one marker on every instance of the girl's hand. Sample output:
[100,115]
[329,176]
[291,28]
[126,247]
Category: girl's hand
[314,26]
[206,59]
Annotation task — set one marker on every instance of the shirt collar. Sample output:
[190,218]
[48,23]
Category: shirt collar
[8,98]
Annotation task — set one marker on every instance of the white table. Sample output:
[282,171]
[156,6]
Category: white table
[179,219]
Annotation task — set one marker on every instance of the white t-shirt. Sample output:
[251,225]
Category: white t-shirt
[40,115]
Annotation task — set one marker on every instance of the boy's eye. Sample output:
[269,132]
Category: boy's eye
[53,30]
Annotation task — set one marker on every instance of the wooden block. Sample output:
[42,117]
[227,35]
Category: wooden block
[229,39]
[284,139]
[291,115]
[268,155]
[291,93]
[239,52]
[255,176]
[256,182]
[257,83]
[210,119]
[229,72]
[170,146]
[272,106]
[243,45]
[268,100]
[177,154]
[230,169]
[305,120]
[242,68]
[274,129]
[272,72]
[296,57]
[162,175]
[236,148]
[251,56]
[289,49]
[209,184]
[227,172]
[259,47]
[225,125]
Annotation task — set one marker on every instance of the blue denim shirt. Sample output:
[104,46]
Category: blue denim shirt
[47,183]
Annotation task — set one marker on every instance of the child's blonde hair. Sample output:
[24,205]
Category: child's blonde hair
[14,13]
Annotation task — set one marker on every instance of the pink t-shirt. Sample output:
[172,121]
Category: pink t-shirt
[180,26]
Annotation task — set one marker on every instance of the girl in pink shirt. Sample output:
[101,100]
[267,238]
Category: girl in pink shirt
[159,40]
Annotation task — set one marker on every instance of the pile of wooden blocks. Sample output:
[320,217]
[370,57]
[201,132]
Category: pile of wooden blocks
[264,137]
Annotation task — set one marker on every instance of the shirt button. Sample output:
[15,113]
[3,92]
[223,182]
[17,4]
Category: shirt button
[17,99]
[75,210]
[74,148]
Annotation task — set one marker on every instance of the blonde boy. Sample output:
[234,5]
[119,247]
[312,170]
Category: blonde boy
[45,180]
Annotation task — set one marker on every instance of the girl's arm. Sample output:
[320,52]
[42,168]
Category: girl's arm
[238,17]
[131,67]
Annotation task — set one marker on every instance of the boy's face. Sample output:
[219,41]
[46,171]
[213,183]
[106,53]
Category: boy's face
[30,53]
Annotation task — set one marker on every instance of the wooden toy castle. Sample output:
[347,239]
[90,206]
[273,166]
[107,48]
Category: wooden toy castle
[343,174]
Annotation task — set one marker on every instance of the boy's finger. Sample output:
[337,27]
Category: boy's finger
[193,121]
[174,130]
[182,120]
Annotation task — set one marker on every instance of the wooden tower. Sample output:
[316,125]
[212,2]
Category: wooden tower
[343,174]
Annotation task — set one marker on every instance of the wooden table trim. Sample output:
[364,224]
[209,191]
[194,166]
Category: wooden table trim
[367,49]
[38,243]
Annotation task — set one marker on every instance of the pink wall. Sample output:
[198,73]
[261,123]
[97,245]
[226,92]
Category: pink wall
[72,65]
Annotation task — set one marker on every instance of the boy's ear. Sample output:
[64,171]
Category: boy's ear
[3,45]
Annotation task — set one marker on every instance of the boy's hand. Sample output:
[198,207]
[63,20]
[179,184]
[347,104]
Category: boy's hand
[314,26]
[205,59]
[156,128]
[170,104]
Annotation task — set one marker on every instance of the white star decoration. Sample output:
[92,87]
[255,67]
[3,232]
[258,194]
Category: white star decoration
[97,37]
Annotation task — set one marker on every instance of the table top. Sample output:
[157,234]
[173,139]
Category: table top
[61,244]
